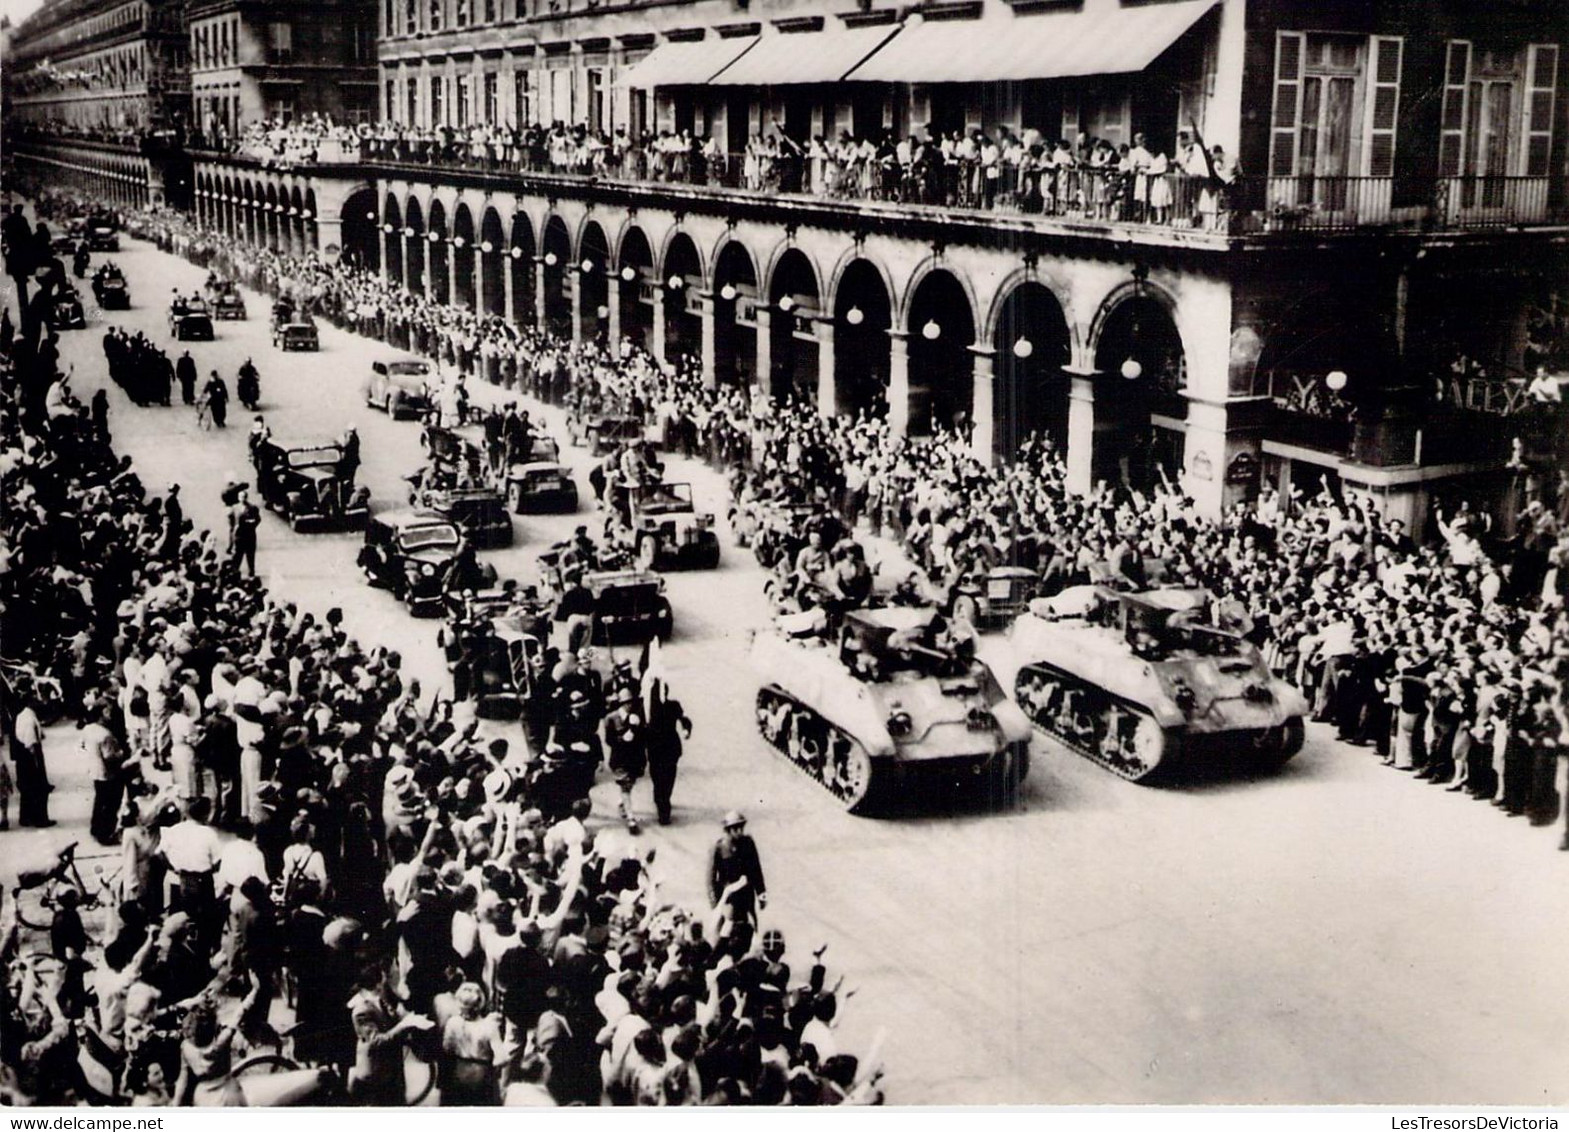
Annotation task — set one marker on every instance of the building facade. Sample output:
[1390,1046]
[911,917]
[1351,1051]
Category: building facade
[253,60]
[109,67]
[1219,241]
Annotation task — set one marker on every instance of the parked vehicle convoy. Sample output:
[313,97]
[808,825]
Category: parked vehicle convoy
[310,485]
[1145,684]
[399,386]
[540,484]
[604,432]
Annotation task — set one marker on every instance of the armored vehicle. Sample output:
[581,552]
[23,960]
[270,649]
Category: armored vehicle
[1143,683]
[890,702]
[667,530]
[309,485]
[500,646]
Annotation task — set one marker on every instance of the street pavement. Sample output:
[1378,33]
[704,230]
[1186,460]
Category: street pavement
[1337,933]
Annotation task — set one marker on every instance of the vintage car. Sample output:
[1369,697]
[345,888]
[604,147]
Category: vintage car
[399,386]
[65,310]
[227,302]
[110,290]
[992,600]
[408,552]
[503,641]
[604,432]
[541,487]
[190,320]
[102,235]
[480,512]
[889,704]
[1145,683]
[299,333]
[628,604]
[667,530]
[308,485]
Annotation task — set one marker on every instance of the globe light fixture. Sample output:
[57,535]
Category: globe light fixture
[602,311]
[433,237]
[306,214]
[586,267]
[1023,348]
[675,282]
[487,247]
[1336,380]
[787,304]
[370,216]
[293,211]
[1132,370]
[855,316]
[387,228]
[931,331]
[550,259]
[629,273]
[516,253]
[408,232]
[727,293]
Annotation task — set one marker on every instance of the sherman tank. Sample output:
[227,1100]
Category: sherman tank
[1144,684]
[887,701]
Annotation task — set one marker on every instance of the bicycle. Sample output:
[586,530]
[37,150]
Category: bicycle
[95,904]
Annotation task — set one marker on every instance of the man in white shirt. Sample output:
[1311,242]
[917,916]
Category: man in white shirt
[32,777]
[192,849]
[240,860]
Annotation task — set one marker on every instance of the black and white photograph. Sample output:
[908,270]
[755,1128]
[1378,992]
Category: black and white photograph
[785,553]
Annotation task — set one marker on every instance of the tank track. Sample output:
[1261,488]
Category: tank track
[821,751]
[1080,716]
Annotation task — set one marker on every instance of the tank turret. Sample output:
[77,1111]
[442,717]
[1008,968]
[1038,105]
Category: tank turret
[1145,683]
[890,698]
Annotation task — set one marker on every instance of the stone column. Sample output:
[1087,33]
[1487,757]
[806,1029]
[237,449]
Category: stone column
[1081,430]
[613,301]
[705,314]
[574,284]
[983,404]
[765,348]
[827,386]
[657,345]
[1221,452]
[898,382]
[539,293]
[507,294]
[477,260]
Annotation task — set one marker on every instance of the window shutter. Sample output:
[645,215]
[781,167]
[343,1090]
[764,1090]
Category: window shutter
[1451,138]
[1289,51]
[1541,86]
[1383,105]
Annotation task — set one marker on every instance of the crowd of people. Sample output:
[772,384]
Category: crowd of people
[1446,651]
[309,842]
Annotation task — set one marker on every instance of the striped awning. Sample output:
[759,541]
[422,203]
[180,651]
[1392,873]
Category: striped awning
[1098,40]
[806,57]
[692,62]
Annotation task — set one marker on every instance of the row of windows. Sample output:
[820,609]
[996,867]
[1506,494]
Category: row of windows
[125,16]
[1337,107]
[516,98]
[410,17]
[216,44]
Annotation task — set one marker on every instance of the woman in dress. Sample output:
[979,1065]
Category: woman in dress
[206,1057]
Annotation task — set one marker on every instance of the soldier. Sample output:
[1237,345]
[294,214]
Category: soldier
[735,880]
[668,725]
[626,740]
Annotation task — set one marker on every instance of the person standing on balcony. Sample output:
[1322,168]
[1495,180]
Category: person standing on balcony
[1139,161]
